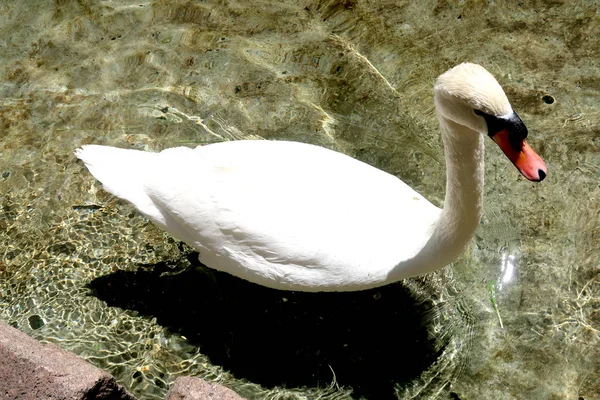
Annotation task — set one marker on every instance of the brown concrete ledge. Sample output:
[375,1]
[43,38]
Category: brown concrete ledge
[189,388]
[30,370]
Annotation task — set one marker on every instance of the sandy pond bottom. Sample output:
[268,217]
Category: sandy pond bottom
[82,269]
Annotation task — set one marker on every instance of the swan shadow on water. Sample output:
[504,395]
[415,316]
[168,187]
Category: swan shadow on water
[372,340]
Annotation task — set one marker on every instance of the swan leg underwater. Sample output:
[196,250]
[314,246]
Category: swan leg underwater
[294,216]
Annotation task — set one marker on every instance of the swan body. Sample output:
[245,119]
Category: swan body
[295,216]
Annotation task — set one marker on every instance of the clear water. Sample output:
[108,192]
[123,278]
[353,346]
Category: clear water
[516,317]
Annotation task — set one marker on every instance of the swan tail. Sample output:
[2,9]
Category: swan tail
[122,173]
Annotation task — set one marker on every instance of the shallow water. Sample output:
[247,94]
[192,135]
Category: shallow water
[515,318]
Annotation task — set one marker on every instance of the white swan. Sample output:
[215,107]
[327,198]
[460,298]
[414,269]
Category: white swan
[299,217]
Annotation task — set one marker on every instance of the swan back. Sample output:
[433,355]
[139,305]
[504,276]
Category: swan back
[282,214]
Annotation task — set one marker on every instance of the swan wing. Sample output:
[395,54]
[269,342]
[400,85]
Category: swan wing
[286,214]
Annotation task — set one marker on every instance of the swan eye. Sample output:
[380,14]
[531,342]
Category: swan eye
[494,124]
[512,124]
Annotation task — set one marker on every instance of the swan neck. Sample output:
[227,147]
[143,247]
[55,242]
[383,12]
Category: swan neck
[464,152]
[463,204]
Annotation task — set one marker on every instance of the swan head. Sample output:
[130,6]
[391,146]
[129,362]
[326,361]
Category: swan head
[468,95]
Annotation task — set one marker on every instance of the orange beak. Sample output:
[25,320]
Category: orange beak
[525,159]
